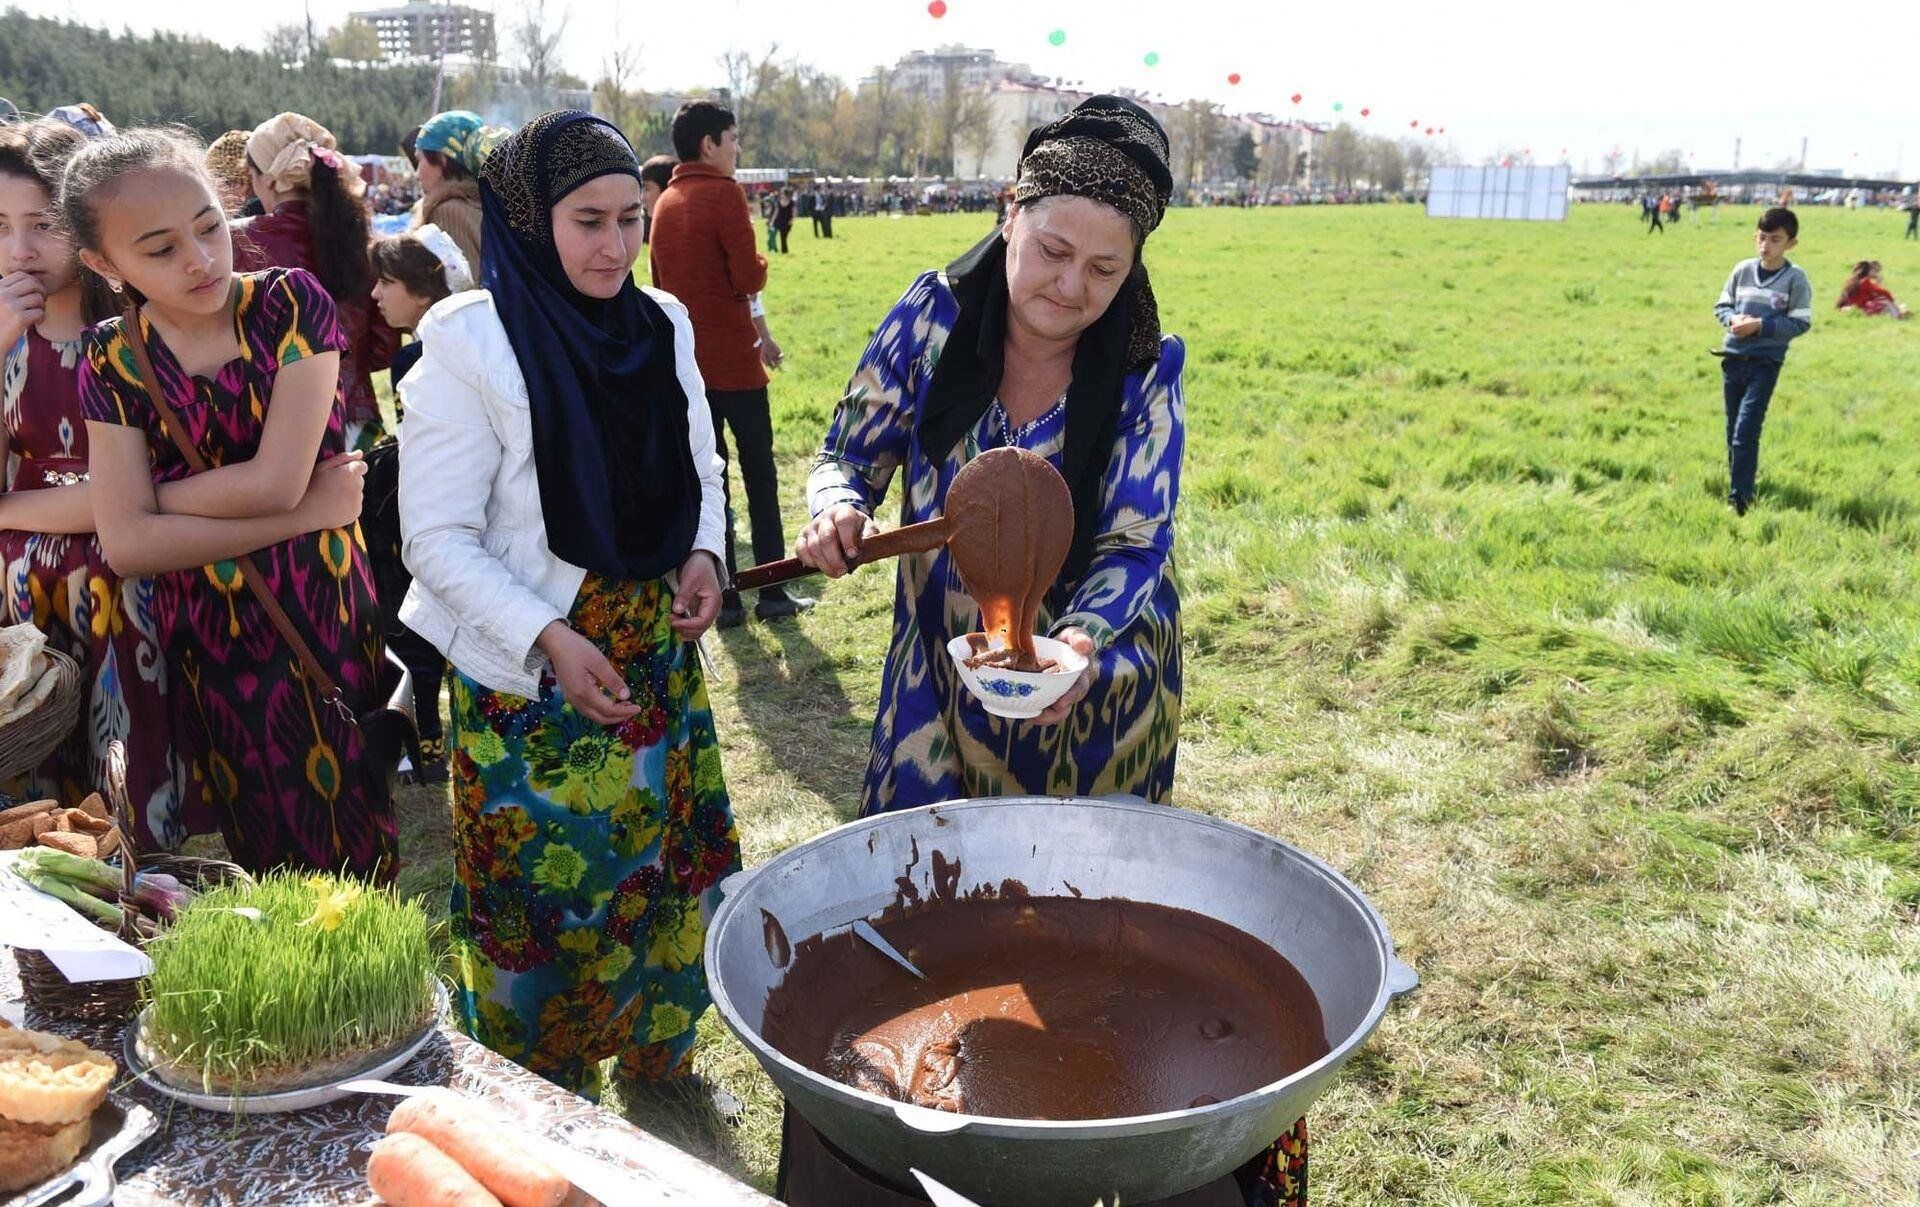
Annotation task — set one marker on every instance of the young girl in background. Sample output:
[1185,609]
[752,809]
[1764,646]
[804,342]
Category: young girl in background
[249,364]
[411,272]
[315,219]
[55,576]
[1864,292]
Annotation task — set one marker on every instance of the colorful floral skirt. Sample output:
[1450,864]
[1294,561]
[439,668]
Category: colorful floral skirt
[586,858]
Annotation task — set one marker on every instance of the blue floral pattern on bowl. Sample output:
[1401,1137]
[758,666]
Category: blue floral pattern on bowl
[1006,689]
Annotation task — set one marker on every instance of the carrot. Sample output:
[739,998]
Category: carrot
[406,1171]
[482,1147]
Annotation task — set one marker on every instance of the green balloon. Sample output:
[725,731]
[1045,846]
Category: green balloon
[1153,59]
[1058,37]
[1337,106]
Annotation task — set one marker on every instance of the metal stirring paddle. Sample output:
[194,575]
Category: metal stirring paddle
[865,930]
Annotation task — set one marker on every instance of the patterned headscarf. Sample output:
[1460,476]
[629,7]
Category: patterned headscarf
[284,147]
[444,132]
[461,136]
[1112,151]
[618,488]
[227,160]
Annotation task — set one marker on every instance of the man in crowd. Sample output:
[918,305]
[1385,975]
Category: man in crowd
[702,252]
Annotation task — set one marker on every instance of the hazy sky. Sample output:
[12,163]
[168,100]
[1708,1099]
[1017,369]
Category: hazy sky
[1643,76]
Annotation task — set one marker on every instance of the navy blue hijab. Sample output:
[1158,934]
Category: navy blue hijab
[618,486]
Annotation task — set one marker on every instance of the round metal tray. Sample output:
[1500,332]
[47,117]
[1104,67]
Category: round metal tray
[300,1099]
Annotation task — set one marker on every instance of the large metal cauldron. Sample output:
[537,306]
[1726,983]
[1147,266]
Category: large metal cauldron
[1104,848]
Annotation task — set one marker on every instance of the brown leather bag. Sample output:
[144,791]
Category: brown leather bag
[400,701]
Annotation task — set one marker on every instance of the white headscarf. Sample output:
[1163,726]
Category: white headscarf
[453,261]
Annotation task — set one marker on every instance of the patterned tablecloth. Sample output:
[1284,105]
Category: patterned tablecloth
[319,1156]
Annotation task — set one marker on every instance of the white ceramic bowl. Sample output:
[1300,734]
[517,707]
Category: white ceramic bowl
[1018,694]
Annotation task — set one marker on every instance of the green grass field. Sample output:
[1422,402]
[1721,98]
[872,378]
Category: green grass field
[1635,783]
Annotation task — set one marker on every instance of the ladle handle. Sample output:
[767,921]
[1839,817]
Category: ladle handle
[912,538]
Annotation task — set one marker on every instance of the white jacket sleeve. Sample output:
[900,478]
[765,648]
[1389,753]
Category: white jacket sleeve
[712,532]
[449,455]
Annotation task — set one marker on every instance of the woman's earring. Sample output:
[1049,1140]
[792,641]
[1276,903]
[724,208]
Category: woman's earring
[113,284]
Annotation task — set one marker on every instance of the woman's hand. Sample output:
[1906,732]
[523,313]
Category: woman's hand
[831,543]
[697,601]
[23,303]
[587,679]
[1082,645]
[334,492]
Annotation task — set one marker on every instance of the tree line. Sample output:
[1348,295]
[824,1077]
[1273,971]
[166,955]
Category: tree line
[171,79]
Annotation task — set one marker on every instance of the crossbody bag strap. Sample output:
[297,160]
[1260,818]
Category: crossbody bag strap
[330,691]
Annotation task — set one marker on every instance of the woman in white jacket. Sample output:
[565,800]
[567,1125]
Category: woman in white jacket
[561,509]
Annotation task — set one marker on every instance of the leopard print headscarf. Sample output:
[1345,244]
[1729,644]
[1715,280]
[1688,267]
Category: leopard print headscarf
[1110,150]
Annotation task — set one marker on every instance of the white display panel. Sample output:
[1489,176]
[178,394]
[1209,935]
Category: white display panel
[1534,194]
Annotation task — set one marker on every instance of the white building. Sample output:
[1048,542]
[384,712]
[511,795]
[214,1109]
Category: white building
[421,30]
[1019,105]
[928,72]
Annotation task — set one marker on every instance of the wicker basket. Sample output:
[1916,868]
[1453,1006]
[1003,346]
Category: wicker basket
[45,988]
[25,743]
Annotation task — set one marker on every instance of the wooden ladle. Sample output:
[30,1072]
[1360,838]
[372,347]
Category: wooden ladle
[1009,521]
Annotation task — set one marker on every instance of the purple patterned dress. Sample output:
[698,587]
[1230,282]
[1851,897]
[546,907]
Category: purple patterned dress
[61,584]
[285,776]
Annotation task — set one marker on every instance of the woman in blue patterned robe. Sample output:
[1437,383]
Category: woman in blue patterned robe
[931,740]
[1044,337]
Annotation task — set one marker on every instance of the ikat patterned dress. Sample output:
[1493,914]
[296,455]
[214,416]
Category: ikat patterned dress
[61,584]
[931,740]
[284,775]
[586,858]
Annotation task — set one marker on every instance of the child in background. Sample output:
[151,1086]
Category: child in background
[1864,292]
[315,217]
[53,574]
[1766,302]
[249,366]
[411,273]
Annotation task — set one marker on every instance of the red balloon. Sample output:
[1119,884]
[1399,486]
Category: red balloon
[1429,131]
[937,9]
[1443,129]
[1366,112]
[1296,98]
[1414,124]
[1234,78]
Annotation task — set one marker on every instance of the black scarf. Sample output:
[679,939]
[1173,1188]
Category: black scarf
[618,487]
[1111,150]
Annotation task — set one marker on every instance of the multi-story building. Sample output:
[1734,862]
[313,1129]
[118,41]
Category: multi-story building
[929,72]
[1018,105]
[421,30]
